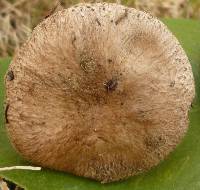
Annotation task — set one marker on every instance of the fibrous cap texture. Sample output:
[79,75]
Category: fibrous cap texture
[99,90]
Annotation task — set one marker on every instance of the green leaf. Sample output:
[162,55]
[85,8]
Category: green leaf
[180,171]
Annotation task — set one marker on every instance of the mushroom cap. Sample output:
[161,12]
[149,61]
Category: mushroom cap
[99,90]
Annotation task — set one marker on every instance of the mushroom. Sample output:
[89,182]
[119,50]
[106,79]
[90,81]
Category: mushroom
[99,90]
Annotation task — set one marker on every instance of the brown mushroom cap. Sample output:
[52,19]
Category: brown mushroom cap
[99,90]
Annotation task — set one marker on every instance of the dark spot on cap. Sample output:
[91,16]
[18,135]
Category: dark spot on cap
[172,84]
[178,59]
[62,3]
[98,22]
[111,85]
[150,16]
[47,16]
[13,12]
[73,39]
[3,14]
[122,17]
[109,60]
[10,76]
[13,23]
[6,113]
[182,5]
